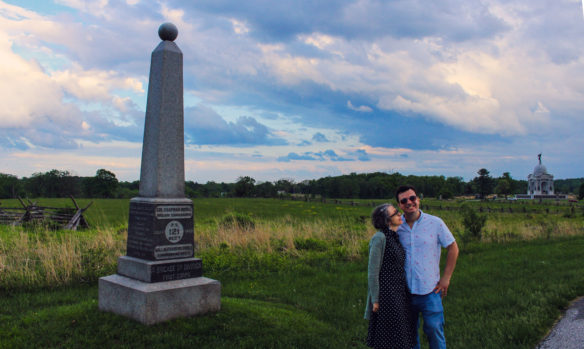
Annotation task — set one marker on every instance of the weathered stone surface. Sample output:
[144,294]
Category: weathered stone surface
[167,31]
[151,303]
[162,172]
[158,271]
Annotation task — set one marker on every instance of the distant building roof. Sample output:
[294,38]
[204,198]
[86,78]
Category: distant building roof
[539,170]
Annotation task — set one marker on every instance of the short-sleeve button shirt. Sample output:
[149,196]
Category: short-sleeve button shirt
[423,243]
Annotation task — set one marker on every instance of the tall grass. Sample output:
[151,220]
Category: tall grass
[39,257]
[295,278]
[501,296]
[43,258]
[278,235]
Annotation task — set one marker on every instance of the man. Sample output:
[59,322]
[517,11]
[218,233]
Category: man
[422,237]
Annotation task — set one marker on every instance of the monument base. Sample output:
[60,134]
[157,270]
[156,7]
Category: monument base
[151,303]
[157,271]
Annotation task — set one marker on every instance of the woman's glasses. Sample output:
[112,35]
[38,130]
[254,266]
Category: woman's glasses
[405,200]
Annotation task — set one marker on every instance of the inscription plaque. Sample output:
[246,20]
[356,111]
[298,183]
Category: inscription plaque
[174,211]
[159,271]
[158,231]
[173,251]
[174,231]
[177,271]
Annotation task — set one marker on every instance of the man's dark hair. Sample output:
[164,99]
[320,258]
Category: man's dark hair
[403,188]
[380,217]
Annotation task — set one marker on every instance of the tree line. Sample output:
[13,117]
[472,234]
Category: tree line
[56,184]
[377,185]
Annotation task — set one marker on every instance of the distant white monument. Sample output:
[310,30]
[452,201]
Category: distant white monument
[540,182]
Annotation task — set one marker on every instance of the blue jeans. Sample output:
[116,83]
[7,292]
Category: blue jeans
[430,305]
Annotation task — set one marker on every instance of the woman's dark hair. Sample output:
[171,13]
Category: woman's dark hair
[380,216]
[402,189]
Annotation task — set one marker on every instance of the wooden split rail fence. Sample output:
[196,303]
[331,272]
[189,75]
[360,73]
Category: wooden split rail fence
[69,218]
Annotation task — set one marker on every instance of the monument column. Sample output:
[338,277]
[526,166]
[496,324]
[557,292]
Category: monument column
[162,174]
[159,279]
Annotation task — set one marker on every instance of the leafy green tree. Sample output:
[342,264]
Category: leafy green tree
[103,185]
[244,187]
[519,186]
[193,189]
[512,183]
[455,185]
[302,187]
[484,183]
[265,190]
[127,189]
[445,193]
[9,186]
[286,185]
[581,193]
[503,187]
[212,189]
[52,184]
[331,187]
[107,183]
[472,222]
[348,188]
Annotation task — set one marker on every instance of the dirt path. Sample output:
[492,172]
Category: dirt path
[568,333]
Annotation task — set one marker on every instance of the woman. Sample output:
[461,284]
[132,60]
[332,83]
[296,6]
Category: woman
[392,324]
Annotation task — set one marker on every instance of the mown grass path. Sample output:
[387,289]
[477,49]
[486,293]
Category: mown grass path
[501,296]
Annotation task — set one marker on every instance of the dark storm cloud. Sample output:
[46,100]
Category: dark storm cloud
[283,20]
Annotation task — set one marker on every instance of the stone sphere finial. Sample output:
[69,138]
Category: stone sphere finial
[167,31]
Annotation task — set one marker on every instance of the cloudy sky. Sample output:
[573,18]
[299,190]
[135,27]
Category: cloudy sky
[298,89]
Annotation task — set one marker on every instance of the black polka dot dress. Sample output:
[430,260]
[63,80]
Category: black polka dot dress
[394,324]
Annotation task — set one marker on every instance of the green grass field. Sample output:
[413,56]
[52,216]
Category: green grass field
[296,280]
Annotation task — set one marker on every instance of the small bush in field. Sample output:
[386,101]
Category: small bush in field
[94,263]
[278,244]
[473,223]
[238,220]
[310,244]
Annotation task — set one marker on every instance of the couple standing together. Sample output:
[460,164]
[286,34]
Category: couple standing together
[404,274]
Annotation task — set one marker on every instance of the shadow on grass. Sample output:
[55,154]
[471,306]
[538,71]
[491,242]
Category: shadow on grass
[241,323]
[277,310]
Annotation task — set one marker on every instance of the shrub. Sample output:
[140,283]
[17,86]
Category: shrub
[446,194]
[237,220]
[472,222]
[310,244]
[278,244]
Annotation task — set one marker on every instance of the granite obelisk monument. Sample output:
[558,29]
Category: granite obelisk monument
[159,279]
